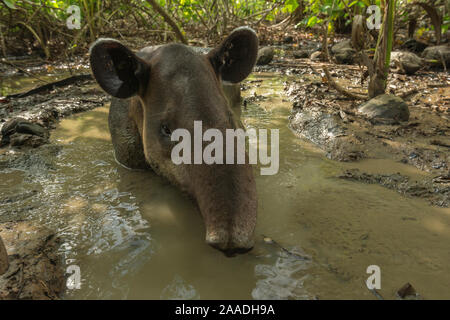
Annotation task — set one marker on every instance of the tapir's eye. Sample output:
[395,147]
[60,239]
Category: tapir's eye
[165,131]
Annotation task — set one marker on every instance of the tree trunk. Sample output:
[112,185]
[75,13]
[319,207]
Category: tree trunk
[382,58]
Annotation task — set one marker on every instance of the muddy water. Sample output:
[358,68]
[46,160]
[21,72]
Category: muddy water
[135,236]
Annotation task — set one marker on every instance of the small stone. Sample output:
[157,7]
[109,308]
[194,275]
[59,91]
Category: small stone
[438,53]
[406,62]
[300,54]
[316,55]
[344,52]
[265,56]
[406,290]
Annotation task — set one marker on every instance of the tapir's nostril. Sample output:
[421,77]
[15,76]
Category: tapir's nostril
[216,240]
[221,243]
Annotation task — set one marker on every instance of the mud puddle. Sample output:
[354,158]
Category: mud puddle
[135,236]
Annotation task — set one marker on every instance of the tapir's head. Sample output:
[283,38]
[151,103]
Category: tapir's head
[176,86]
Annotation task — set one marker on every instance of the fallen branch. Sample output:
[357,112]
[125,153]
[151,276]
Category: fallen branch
[52,85]
[340,89]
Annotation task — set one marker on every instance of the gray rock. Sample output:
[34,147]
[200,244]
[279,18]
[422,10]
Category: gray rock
[9,127]
[438,53]
[406,62]
[343,52]
[19,131]
[345,56]
[265,56]
[385,109]
[4,262]
[343,45]
[300,54]
[316,55]
[26,140]
[413,45]
[31,128]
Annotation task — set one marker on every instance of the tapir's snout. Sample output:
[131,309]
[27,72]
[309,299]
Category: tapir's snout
[228,203]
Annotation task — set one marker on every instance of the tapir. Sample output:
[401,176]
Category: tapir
[159,89]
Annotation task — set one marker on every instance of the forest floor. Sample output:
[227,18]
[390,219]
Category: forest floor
[423,141]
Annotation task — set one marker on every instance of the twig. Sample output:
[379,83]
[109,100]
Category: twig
[298,256]
[8,63]
[340,89]
[374,292]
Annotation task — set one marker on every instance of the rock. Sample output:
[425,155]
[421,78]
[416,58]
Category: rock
[26,140]
[345,44]
[406,290]
[343,52]
[300,54]
[288,39]
[4,263]
[31,128]
[265,56]
[316,55]
[385,109]
[406,62]
[21,132]
[9,127]
[438,53]
[413,45]
[346,56]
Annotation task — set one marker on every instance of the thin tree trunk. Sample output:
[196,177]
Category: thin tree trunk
[382,58]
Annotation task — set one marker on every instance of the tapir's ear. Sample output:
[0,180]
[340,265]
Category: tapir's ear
[235,57]
[117,69]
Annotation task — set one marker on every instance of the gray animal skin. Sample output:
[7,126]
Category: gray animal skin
[163,88]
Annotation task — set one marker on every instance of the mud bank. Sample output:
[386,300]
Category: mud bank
[35,269]
[435,190]
[42,111]
[334,123]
